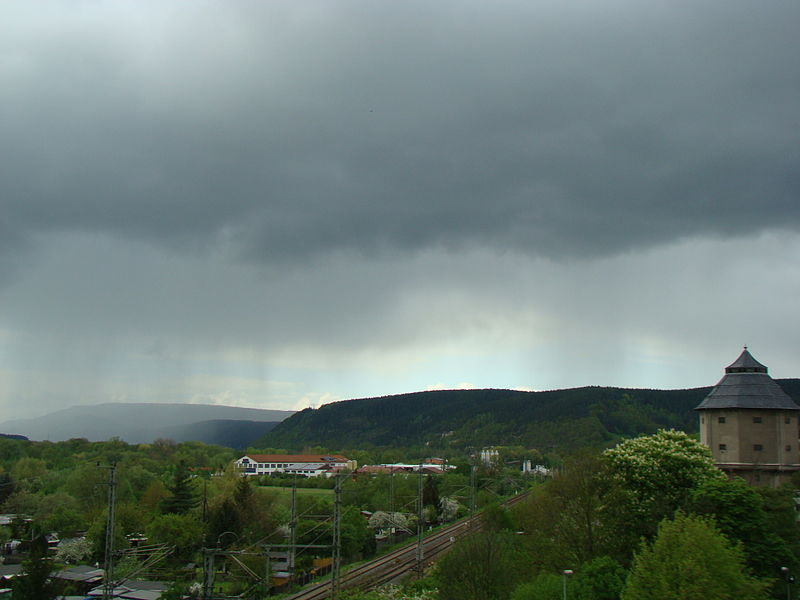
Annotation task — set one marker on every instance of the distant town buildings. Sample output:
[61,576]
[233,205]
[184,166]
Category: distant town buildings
[490,457]
[430,466]
[751,425]
[529,468]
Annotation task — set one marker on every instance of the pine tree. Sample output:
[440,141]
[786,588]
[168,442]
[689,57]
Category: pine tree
[243,495]
[183,497]
[35,583]
[430,495]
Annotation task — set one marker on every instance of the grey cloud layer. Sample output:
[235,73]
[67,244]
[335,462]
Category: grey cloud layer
[284,131]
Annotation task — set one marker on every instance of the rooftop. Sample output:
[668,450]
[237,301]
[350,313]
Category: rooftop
[747,384]
[295,458]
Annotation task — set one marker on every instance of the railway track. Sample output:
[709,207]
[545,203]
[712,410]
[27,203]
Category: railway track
[399,562]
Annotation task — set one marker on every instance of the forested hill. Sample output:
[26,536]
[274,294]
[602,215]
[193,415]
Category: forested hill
[560,420]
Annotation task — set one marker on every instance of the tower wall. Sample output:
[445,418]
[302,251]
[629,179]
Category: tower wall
[759,445]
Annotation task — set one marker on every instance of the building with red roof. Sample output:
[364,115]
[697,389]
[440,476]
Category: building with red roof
[308,465]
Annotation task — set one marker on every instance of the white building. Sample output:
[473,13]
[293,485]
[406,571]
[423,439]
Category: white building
[490,456]
[308,465]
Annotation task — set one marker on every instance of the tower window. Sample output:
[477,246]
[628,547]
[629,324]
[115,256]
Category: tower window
[758,447]
[787,420]
[723,447]
[756,419]
[788,447]
[720,419]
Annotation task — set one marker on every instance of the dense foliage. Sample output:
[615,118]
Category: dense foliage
[483,566]
[560,421]
[689,559]
[650,518]
[624,519]
[187,496]
[34,582]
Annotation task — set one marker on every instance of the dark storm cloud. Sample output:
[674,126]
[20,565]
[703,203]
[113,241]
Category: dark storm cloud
[287,131]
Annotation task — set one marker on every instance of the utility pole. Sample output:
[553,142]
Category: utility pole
[337,537]
[268,573]
[293,530]
[391,506]
[472,477]
[205,500]
[391,491]
[209,554]
[108,563]
[420,524]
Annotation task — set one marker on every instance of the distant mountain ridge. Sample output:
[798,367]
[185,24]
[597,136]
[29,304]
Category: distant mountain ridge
[145,422]
[237,434]
[558,420]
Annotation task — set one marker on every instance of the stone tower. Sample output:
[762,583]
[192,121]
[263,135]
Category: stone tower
[751,425]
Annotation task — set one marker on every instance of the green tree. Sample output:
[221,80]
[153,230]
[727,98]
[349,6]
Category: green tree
[58,512]
[601,578]
[183,496]
[35,583]
[243,494]
[162,449]
[690,559]
[154,494]
[566,519]
[738,510]
[128,519]
[357,538]
[545,586]
[22,502]
[5,535]
[29,473]
[781,514]
[430,497]
[656,475]
[88,484]
[6,486]
[482,566]
[185,532]
[498,518]
[97,537]
[223,516]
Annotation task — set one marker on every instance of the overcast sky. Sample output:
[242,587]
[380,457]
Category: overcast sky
[282,204]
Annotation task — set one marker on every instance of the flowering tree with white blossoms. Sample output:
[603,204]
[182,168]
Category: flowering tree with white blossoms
[386,520]
[73,550]
[391,592]
[448,509]
[657,472]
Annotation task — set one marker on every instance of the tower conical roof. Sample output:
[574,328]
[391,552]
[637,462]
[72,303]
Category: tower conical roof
[746,364]
[747,384]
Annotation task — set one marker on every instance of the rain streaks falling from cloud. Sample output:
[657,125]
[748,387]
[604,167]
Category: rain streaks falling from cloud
[297,201]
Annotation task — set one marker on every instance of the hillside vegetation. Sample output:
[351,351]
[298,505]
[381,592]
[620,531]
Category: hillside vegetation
[559,420]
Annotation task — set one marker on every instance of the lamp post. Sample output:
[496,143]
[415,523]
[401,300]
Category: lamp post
[564,574]
[789,581]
